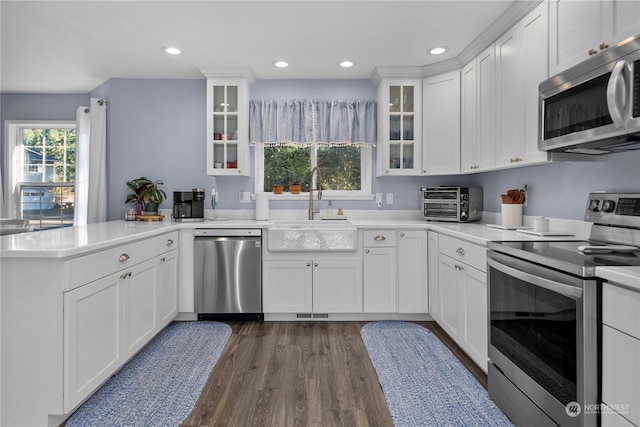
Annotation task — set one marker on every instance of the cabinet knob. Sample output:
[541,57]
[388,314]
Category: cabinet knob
[367,251]
[460,251]
[308,264]
[386,172]
[123,257]
[169,242]
[604,45]
[592,52]
[379,238]
[401,234]
[315,264]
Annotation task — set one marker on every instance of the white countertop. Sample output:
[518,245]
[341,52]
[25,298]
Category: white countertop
[74,241]
[627,276]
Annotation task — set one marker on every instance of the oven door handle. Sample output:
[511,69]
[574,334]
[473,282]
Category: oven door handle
[561,288]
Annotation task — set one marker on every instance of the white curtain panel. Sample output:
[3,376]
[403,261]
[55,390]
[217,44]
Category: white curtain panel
[91,169]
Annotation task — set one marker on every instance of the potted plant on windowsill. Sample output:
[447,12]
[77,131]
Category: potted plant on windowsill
[295,186]
[277,188]
[146,194]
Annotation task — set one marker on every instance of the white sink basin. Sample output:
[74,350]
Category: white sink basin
[295,236]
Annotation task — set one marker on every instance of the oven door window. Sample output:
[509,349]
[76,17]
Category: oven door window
[441,210]
[536,329]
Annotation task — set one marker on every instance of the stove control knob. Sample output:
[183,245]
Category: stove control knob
[608,205]
[593,205]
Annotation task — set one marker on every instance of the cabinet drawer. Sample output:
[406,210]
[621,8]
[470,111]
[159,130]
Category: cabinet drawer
[168,241]
[374,238]
[91,267]
[621,309]
[468,253]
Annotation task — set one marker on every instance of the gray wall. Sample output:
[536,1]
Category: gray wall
[157,128]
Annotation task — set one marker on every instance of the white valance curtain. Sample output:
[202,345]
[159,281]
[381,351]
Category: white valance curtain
[91,167]
[312,122]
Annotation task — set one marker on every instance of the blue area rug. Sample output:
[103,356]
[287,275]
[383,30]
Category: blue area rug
[161,384]
[424,384]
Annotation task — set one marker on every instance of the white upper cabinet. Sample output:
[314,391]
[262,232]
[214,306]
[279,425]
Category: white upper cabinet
[399,127]
[579,29]
[228,121]
[478,113]
[441,124]
[521,64]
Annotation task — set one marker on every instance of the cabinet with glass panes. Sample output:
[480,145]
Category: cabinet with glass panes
[227,126]
[399,120]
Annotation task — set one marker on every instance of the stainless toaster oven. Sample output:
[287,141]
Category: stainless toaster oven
[455,204]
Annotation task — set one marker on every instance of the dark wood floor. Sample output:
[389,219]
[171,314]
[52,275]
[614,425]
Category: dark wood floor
[299,374]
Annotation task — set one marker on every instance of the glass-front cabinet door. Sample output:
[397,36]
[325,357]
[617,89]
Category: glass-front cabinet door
[399,150]
[227,127]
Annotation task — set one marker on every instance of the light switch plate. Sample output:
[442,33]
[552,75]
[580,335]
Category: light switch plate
[389,198]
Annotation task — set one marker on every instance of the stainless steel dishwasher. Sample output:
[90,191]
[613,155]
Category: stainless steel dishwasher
[228,274]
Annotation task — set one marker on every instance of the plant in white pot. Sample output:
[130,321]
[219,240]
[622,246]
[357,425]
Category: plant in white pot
[146,193]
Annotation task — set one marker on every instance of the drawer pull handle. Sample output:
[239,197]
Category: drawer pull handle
[379,238]
[459,267]
[123,257]
[125,275]
[163,259]
[460,251]
[169,242]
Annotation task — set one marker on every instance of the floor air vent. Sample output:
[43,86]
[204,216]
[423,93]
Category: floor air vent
[303,316]
[320,315]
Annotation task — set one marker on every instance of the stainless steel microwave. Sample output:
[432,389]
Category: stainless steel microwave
[455,204]
[593,107]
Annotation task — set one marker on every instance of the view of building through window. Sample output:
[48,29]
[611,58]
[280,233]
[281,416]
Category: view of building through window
[48,176]
[340,167]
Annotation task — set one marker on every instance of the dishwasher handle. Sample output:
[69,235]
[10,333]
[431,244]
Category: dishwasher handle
[227,232]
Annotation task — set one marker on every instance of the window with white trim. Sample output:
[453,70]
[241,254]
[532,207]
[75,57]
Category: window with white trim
[40,165]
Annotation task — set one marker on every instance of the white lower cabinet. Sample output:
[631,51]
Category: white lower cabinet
[167,287]
[312,286]
[380,284]
[412,271]
[107,322]
[139,305]
[620,355]
[92,337]
[462,291]
[395,271]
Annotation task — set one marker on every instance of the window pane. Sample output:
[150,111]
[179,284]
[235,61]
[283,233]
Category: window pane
[284,164]
[340,167]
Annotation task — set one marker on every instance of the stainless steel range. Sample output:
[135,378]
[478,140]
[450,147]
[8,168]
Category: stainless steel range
[545,316]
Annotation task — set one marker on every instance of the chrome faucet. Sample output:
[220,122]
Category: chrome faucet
[319,189]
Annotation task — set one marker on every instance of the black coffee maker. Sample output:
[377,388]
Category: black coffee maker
[188,205]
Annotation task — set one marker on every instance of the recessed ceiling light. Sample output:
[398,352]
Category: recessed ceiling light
[438,50]
[346,64]
[280,64]
[172,50]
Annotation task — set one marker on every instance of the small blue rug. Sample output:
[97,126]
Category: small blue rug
[161,384]
[423,383]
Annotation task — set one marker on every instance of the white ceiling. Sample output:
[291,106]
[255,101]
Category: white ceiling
[73,46]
